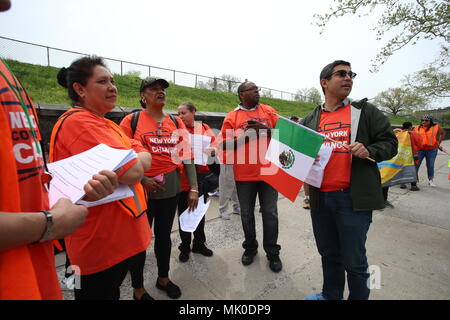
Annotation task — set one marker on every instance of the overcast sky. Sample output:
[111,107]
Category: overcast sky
[272,43]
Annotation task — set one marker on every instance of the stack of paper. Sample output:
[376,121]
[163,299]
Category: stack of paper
[71,174]
[199,143]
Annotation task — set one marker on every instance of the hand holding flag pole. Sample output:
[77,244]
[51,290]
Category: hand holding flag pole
[327,138]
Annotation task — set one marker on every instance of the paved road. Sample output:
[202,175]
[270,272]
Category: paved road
[408,246]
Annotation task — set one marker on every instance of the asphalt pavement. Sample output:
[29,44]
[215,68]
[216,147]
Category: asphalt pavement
[408,250]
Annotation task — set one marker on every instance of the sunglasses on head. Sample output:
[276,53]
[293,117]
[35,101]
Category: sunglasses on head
[344,73]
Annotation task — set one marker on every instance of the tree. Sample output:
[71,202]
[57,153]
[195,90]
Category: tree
[314,96]
[308,95]
[430,82]
[409,20]
[396,100]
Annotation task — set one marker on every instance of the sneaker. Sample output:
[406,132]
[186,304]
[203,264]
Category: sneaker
[68,283]
[305,204]
[315,296]
[184,256]
[403,186]
[225,216]
[388,204]
[432,184]
[213,194]
[247,257]
[203,250]
[237,212]
[415,188]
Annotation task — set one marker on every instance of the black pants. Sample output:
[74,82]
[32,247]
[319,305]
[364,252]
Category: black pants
[199,233]
[136,268]
[104,285]
[385,193]
[162,211]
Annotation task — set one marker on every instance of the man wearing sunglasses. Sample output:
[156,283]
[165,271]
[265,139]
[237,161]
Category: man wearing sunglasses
[341,210]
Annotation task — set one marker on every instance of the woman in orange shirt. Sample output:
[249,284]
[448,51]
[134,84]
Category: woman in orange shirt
[432,135]
[101,249]
[206,178]
[165,137]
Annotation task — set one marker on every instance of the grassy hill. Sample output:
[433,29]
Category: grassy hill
[40,83]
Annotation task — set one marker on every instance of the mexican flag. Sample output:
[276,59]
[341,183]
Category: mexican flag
[291,153]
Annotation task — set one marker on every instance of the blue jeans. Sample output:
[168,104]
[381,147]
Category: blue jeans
[341,235]
[430,155]
[268,197]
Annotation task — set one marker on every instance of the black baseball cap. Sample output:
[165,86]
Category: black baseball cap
[151,80]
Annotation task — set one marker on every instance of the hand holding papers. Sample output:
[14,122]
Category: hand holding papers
[190,220]
[71,174]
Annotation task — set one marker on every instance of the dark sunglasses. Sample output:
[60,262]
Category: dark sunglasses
[343,74]
[426,120]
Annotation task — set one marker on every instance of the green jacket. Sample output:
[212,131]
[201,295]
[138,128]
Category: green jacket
[370,127]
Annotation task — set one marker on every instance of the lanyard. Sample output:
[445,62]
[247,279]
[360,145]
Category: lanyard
[19,97]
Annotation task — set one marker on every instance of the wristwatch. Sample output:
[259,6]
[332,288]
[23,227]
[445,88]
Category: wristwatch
[48,234]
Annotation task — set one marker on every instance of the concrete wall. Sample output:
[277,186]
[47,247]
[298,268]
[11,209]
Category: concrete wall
[49,113]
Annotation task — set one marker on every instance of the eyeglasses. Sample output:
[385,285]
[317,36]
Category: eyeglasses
[344,73]
[251,89]
[426,120]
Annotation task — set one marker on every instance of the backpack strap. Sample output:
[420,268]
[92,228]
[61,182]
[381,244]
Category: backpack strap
[172,117]
[134,121]
[57,126]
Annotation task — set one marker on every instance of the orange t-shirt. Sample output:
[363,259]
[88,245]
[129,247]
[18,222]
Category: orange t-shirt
[248,158]
[29,168]
[336,125]
[429,137]
[205,130]
[167,144]
[109,235]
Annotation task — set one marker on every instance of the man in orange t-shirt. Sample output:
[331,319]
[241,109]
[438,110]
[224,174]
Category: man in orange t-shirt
[341,210]
[246,131]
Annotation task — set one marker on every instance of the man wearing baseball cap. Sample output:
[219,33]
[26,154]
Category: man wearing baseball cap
[341,209]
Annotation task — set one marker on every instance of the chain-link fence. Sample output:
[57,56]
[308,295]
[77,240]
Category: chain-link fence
[47,56]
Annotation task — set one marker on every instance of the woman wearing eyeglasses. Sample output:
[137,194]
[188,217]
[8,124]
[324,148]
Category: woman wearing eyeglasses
[432,135]
[101,248]
[163,135]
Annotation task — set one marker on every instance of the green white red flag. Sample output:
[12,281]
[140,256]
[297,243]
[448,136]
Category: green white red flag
[291,152]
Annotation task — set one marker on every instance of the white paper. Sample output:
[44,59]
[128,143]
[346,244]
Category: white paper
[315,175]
[71,174]
[123,191]
[198,144]
[190,220]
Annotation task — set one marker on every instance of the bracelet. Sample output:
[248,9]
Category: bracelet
[193,190]
[47,234]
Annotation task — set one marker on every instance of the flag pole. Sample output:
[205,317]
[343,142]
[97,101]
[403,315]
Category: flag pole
[368,158]
[346,147]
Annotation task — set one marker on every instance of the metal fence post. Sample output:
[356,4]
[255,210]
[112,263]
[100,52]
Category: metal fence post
[195,82]
[149,71]
[48,56]
[121,68]
[173,76]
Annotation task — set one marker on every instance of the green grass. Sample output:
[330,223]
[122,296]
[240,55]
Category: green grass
[40,83]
